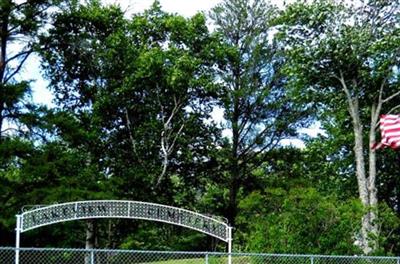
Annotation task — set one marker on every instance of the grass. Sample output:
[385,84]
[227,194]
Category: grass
[211,260]
[180,261]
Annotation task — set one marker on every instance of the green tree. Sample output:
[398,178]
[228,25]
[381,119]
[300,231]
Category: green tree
[344,58]
[256,107]
[300,220]
[20,24]
[19,27]
[139,91]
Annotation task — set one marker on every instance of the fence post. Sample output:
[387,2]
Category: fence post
[206,258]
[230,245]
[312,259]
[17,238]
[92,256]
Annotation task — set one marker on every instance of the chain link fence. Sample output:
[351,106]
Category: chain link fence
[99,256]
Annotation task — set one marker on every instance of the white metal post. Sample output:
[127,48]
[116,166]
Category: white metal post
[229,245]
[91,257]
[17,238]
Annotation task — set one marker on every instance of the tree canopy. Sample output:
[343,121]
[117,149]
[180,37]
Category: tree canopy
[134,109]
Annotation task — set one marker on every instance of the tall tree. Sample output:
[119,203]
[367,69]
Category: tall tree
[20,24]
[146,82]
[346,59]
[140,91]
[19,27]
[256,107]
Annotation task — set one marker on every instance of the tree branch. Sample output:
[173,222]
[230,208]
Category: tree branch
[243,136]
[7,78]
[394,108]
[175,138]
[375,115]
[9,129]
[133,142]
[18,55]
[166,133]
[391,97]
[348,94]
[271,145]
[262,134]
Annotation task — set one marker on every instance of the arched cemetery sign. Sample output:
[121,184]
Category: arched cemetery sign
[123,209]
[57,213]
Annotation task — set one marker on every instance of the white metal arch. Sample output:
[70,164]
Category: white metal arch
[57,213]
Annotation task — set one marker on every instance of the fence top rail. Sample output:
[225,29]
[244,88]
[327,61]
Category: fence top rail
[199,253]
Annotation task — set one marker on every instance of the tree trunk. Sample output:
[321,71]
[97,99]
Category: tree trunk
[373,192]
[366,186]
[362,185]
[233,190]
[91,239]
[3,51]
[234,161]
[234,176]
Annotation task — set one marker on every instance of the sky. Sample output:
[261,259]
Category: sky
[182,7]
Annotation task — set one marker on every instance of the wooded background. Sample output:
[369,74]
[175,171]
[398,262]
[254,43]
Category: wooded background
[133,119]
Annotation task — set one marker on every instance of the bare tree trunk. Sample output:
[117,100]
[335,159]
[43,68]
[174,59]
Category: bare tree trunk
[373,191]
[362,186]
[366,185]
[169,135]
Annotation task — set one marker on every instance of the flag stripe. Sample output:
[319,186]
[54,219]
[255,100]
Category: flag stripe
[390,132]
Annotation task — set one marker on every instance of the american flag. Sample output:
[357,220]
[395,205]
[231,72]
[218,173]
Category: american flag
[390,132]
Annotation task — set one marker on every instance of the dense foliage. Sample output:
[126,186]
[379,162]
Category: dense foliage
[133,119]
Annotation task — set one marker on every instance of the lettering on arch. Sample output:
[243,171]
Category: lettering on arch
[123,209]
